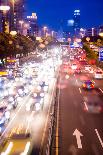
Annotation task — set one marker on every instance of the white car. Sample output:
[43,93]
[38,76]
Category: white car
[74,66]
[87,67]
[98,75]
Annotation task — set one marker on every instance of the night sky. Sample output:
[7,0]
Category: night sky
[52,12]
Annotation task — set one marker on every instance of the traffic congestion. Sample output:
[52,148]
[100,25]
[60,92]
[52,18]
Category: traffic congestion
[25,95]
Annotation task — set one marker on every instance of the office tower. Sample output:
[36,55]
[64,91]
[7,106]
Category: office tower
[4,16]
[16,14]
[33,25]
[91,32]
[76,18]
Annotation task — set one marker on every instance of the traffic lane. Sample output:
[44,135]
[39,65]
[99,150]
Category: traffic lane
[87,76]
[69,115]
[95,121]
[74,112]
[15,115]
[41,122]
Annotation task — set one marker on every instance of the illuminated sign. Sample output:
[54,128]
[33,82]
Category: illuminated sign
[3,73]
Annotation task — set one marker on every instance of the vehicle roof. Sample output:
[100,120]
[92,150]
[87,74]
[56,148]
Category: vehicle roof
[15,146]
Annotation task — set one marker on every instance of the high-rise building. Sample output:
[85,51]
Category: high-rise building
[91,32]
[100,29]
[76,18]
[16,14]
[4,15]
[33,25]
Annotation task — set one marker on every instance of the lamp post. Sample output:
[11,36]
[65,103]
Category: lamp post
[4,9]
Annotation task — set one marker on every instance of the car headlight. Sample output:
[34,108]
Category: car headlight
[7,114]
[20,91]
[35,94]
[37,106]
[45,88]
[42,94]
[11,99]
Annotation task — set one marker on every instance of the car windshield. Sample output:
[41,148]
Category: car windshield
[20,136]
[88,82]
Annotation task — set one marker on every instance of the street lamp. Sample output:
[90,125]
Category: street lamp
[101,34]
[4,9]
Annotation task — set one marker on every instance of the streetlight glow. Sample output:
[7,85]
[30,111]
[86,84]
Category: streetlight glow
[4,8]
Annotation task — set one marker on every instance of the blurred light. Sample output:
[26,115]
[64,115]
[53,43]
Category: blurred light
[42,94]
[101,34]
[70,22]
[11,99]
[13,33]
[35,94]
[4,8]
[7,114]
[37,106]
[27,107]
[67,76]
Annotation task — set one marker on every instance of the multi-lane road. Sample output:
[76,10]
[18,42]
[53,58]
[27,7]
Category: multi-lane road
[77,132]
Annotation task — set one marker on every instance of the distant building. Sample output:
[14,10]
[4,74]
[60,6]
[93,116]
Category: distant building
[33,25]
[91,32]
[66,35]
[76,18]
[60,37]
[14,15]
[82,32]
[4,18]
[100,29]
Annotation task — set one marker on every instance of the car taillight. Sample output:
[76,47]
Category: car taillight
[84,85]
[92,85]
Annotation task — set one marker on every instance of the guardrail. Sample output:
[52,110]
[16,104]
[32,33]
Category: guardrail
[52,121]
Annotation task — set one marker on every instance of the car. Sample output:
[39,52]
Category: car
[74,66]
[98,75]
[43,85]
[38,94]
[87,67]
[18,142]
[78,70]
[4,114]
[88,84]
[93,104]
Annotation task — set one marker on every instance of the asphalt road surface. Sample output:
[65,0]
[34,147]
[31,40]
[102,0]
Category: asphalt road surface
[77,132]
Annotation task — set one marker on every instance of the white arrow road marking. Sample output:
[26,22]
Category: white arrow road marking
[101,142]
[78,134]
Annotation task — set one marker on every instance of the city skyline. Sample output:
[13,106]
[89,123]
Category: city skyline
[53,12]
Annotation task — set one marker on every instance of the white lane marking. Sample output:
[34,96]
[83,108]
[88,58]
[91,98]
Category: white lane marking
[80,90]
[101,90]
[57,125]
[14,117]
[78,134]
[101,142]
[8,150]
[86,106]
